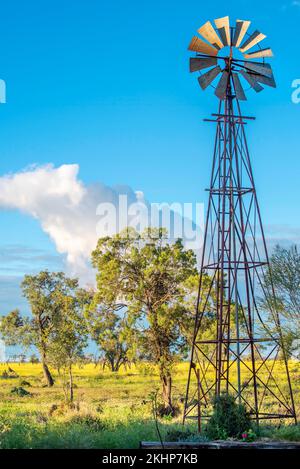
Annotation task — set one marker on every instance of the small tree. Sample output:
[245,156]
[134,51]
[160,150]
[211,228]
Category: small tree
[112,334]
[144,275]
[33,359]
[45,293]
[68,337]
[284,277]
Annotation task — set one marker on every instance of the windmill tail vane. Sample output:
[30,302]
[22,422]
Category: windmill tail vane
[237,347]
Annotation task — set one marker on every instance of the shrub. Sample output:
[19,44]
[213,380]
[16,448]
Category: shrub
[229,419]
[94,424]
[21,392]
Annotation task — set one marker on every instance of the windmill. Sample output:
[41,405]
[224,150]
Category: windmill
[236,347]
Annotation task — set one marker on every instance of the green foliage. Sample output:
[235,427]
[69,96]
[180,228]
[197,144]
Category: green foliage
[284,277]
[229,419]
[68,337]
[93,424]
[21,392]
[112,334]
[249,435]
[285,432]
[146,278]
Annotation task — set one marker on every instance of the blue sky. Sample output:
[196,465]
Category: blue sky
[105,85]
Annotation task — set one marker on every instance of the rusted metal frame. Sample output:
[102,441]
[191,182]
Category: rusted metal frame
[225,116]
[255,268]
[250,267]
[244,314]
[203,372]
[257,310]
[251,230]
[231,228]
[231,364]
[275,416]
[257,370]
[215,382]
[254,247]
[234,340]
[199,405]
[206,301]
[264,360]
[200,388]
[243,191]
[201,274]
[247,286]
[211,252]
[239,146]
[221,251]
[188,408]
[262,382]
[270,373]
[251,377]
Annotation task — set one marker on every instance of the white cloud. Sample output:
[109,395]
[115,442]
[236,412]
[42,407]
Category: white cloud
[64,206]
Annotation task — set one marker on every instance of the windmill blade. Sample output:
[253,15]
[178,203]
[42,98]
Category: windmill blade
[208,77]
[239,92]
[261,68]
[209,33]
[249,78]
[201,63]
[223,27]
[269,81]
[197,45]
[259,54]
[254,39]
[240,31]
[222,86]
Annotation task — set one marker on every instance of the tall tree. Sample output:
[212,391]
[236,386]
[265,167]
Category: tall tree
[148,276]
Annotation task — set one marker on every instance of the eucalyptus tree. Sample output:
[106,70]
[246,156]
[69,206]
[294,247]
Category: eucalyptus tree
[146,278]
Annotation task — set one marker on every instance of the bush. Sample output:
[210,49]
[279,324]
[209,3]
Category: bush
[184,435]
[94,424]
[229,419]
[21,392]
[147,369]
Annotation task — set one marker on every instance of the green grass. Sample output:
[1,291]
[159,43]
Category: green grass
[112,410]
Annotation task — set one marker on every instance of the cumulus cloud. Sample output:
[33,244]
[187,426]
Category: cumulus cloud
[64,206]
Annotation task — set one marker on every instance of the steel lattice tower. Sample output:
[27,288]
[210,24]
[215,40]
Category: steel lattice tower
[242,354]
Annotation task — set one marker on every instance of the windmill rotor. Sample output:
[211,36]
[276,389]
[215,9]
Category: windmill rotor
[210,62]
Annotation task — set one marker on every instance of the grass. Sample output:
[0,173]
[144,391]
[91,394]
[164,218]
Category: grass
[112,410]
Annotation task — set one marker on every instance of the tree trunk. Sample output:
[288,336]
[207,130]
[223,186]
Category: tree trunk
[71,384]
[47,374]
[167,393]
